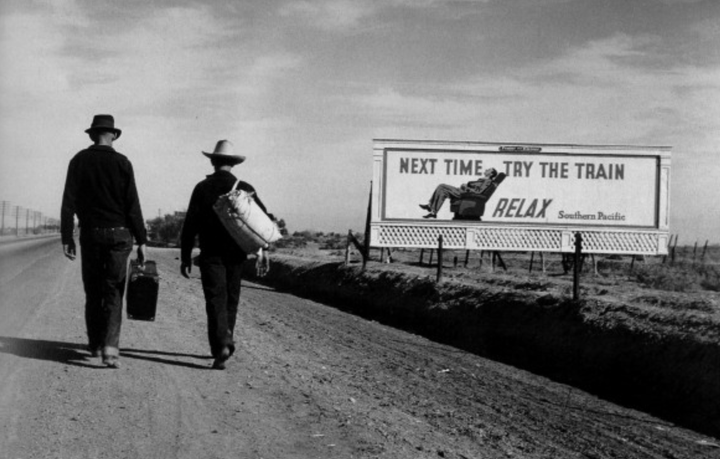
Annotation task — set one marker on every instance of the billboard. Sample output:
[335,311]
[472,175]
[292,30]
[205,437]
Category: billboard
[476,187]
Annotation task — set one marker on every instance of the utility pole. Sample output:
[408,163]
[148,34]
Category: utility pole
[4,206]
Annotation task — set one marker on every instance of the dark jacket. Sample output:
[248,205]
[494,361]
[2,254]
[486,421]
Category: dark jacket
[479,186]
[202,221]
[100,189]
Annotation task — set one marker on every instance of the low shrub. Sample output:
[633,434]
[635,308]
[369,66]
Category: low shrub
[290,242]
[679,277]
[710,277]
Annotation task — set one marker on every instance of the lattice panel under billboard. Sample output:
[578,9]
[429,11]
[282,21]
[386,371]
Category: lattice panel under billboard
[517,239]
[619,242]
[421,236]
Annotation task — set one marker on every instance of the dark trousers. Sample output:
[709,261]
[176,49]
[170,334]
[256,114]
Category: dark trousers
[221,276]
[104,253]
[441,193]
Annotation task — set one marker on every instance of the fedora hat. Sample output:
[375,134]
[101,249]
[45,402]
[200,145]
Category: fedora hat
[103,123]
[223,150]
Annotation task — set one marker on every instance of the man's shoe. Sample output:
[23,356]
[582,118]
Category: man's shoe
[95,351]
[430,215]
[111,361]
[219,362]
[425,207]
[111,357]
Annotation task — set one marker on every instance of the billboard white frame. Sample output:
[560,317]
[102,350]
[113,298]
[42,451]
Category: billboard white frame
[644,231]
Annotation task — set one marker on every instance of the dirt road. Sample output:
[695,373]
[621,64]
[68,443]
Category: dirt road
[307,381]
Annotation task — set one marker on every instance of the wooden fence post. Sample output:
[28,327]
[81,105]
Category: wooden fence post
[669,245]
[576,267]
[440,259]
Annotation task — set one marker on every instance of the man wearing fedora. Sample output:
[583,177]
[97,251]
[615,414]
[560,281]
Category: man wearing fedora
[221,259]
[100,189]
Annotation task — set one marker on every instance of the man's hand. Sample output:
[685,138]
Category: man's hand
[69,250]
[262,263]
[141,254]
[185,268]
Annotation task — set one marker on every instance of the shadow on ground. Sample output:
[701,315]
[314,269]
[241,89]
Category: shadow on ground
[54,351]
[76,354]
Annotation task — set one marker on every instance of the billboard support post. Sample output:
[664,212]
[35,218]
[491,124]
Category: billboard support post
[361,248]
[366,242]
[532,258]
[542,261]
[500,261]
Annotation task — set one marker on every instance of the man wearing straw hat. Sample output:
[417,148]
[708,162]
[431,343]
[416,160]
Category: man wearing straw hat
[100,189]
[221,259]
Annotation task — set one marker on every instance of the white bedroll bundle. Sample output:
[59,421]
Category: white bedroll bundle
[246,222]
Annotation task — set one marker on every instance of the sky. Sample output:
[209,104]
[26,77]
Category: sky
[303,87]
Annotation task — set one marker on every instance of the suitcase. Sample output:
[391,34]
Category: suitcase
[142,290]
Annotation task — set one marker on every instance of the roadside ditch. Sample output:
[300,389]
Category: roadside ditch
[663,362]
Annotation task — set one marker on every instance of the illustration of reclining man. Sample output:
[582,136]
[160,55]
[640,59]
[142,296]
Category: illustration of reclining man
[476,193]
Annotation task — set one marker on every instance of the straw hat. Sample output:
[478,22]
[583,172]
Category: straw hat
[224,150]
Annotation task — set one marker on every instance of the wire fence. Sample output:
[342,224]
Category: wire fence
[21,221]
